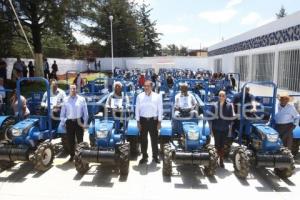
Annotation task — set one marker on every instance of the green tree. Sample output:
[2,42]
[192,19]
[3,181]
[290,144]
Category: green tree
[282,13]
[41,18]
[171,50]
[125,28]
[149,42]
[183,51]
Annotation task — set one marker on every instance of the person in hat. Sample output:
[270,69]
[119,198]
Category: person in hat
[286,118]
[117,100]
[185,103]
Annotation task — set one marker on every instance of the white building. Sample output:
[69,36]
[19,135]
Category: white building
[270,52]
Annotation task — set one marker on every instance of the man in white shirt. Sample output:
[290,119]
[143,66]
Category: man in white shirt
[148,113]
[74,116]
[286,119]
[56,97]
[185,103]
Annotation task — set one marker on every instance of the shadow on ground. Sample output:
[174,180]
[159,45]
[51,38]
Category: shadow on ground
[102,176]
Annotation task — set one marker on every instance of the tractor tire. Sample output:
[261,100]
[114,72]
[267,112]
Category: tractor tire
[134,146]
[65,143]
[227,147]
[81,167]
[7,124]
[43,156]
[286,172]
[6,164]
[167,160]
[210,170]
[295,147]
[92,140]
[124,151]
[241,162]
[162,142]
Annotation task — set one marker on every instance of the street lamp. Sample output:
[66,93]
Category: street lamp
[112,44]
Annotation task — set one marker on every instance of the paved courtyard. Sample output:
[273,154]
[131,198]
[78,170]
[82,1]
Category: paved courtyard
[143,182]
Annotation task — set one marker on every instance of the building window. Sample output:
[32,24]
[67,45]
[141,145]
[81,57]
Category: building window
[218,65]
[289,70]
[241,66]
[263,67]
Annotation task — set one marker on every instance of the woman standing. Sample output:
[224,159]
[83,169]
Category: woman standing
[221,124]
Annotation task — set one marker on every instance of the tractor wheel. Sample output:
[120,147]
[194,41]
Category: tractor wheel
[241,162]
[227,147]
[65,143]
[6,164]
[43,156]
[210,170]
[134,146]
[167,160]
[162,142]
[7,124]
[123,151]
[295,147]
[81,167]
[92,140]
[286,172]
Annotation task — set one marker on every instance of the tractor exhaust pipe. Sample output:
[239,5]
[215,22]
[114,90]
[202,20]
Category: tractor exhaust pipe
[202,158]
[98,156]
[274,161]
[12,153]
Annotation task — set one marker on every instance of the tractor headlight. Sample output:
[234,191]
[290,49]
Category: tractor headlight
[193,135]
[16,132]
[272,137]
[101,134]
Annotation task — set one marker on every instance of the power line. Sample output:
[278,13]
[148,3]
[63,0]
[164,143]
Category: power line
[13,8]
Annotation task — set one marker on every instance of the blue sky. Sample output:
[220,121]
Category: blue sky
[195,23]
[204,22]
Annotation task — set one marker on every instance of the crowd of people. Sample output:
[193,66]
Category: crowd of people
[20,69]
[72,110]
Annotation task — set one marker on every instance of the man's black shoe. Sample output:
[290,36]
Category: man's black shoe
[71,158]
[143,160]
[156,160]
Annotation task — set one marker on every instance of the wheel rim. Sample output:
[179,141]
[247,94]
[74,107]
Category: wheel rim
[47,155]
[238,161]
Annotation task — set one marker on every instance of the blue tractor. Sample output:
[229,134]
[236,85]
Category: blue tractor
[7,118]
[259,143]
[107,140]
[30,138]
[188,139]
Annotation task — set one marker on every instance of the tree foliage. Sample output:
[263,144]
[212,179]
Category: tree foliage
[282,13]
[49,26]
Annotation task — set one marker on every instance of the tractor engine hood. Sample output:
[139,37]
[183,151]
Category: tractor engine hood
[269,136]
[191,130]
[103,129]
[193,136]
[21,128]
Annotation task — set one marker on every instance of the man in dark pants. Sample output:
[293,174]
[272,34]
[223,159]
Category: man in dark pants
[74,116]
[149,110]
[286,118]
